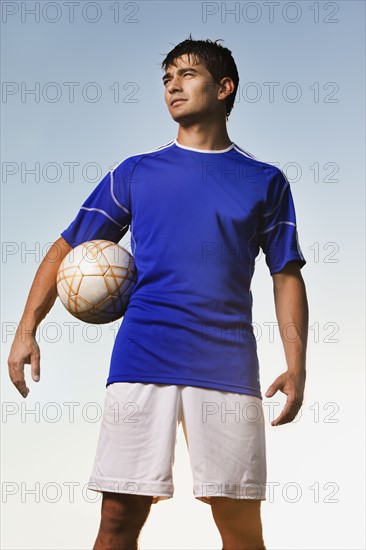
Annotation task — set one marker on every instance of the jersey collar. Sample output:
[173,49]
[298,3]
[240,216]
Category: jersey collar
[204,150]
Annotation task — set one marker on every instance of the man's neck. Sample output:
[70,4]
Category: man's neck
[212,138]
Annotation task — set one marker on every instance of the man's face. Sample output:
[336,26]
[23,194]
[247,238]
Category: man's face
[191,94]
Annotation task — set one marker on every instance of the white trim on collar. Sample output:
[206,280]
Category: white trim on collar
[203,150]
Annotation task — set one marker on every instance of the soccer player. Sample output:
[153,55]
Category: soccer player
[199,209]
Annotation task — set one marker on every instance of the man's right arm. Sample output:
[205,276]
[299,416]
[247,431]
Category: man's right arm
[41,298]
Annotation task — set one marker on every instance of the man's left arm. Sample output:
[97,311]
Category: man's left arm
[293,317]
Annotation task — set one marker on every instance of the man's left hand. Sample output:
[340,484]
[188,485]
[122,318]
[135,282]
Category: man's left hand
[292,384]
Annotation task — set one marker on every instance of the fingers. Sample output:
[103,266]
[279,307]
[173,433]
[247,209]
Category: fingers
[16,372]
[35,365]
[288,413]
[294,392]
[21,353]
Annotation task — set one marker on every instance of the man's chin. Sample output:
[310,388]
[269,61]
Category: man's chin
[183,119]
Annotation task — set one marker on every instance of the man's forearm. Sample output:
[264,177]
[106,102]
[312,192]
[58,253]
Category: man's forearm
[292,316]
[43,292]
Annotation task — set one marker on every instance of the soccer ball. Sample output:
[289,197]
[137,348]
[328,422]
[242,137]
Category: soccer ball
[95,281]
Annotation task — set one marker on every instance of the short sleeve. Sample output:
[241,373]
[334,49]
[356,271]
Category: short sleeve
[106,213]
[278,236]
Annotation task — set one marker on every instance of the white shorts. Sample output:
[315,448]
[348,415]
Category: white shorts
[224,432]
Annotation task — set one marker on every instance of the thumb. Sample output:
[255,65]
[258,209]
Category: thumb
[35,365]
[271,390]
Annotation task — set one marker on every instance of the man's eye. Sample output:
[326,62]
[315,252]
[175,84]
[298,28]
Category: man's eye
[165,81]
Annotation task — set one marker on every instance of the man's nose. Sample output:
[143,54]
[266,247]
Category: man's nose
[174,85]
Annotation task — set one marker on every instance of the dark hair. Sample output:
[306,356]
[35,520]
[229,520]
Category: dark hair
[216,58]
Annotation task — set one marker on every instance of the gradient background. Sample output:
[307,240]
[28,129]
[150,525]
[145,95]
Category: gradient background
[315,464]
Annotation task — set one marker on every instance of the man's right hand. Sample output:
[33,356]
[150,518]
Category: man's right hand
[42,296]
[23,350]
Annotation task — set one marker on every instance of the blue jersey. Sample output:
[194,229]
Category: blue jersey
[198,220]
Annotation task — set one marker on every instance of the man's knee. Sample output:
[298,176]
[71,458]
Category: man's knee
[121,509]
[239,522]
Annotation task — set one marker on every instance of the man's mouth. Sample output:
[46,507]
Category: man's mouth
[176,100]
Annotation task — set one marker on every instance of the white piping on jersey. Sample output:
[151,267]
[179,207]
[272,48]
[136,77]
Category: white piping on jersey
[275,225]
[244,153]
[279,202]
[165,145]
[175,142]
[203,150]
[298,246]
[116,164]
[134,241]
[114,198]
[255,232]
[152,151]
[102,212]
[296,236]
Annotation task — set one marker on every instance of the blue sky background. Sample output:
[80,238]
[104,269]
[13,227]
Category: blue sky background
[312,49]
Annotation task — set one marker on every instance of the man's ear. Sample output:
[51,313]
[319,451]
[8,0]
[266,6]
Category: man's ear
[226,87]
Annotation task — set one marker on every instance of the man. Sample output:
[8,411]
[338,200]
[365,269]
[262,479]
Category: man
[199,209]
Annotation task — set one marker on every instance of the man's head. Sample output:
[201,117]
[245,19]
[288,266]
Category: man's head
[214,76]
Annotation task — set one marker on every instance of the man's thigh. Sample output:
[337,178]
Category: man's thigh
[225,434]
